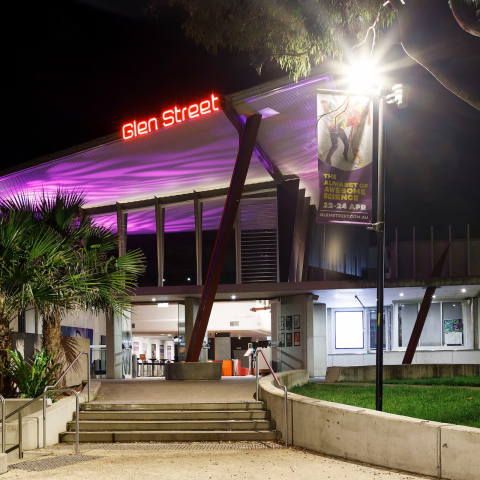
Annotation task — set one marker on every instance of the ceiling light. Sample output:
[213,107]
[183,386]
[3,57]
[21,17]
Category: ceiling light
[267,112]
[188,279]
[401,294]
[233,297]
[464,290]
[153,299]
[454,305]
[434,296]
[162,305]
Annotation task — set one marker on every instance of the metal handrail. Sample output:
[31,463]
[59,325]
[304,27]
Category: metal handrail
[47,389]
[3,423]
[279,385]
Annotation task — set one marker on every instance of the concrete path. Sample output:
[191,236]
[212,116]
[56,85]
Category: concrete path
[231,464]
[159,390]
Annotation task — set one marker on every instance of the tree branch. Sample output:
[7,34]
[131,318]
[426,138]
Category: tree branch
[470,25]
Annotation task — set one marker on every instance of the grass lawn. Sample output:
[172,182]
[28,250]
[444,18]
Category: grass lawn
[449,381]
[460,406]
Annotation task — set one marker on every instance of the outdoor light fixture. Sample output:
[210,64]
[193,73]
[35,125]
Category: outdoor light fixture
[363,76]
[401,294]
[233,297]
[188,279]
[434,296]
[464,290]
[162,305]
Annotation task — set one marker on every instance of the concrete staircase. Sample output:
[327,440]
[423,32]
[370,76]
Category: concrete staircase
[172,422]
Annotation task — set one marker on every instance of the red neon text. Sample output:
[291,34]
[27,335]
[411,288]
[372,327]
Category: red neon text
[170,117]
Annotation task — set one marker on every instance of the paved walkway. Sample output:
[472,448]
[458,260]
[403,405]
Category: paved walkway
[133,463]
[159,390]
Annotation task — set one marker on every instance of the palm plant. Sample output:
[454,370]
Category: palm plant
[31,377]
[86,273]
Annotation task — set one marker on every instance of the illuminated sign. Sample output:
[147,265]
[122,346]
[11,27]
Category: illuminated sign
[170,117]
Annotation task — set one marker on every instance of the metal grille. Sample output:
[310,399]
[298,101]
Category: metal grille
[51,462]
[175,446]
[259,240]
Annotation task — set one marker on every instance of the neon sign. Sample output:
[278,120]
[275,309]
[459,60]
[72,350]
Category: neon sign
[170,117]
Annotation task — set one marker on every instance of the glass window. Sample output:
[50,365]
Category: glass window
[407,314]
[349,330]
[431,333]
[452,323]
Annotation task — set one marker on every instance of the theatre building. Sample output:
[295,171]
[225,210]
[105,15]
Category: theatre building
[287,277]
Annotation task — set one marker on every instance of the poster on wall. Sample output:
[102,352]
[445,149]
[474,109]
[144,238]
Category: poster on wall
[281,323]
[169,352]
[135,348]
[289,339]
[77,332]
[162,352]
[345,153]
[154,351]
[296,339]
[453,331]
[288,322]
[145,348]
[296,322]
[281,340]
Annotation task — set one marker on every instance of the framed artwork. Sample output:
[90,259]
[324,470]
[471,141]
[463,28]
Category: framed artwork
[169,352]
[162,352]
[135,347]
[281,340]
[296,322]
[281,323]
[145,348]
[288,322]
[289,339]
[154,350]
[296,339]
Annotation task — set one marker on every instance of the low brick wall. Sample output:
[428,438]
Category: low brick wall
[392,441]
[400,372]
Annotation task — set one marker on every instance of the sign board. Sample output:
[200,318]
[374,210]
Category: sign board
[345,153]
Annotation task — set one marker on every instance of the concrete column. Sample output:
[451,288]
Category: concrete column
[276,352]
[114,346]
[476,322]
[191,309]
[317,341]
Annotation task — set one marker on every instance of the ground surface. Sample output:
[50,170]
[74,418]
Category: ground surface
[238,464]
[159,390]
[458,405]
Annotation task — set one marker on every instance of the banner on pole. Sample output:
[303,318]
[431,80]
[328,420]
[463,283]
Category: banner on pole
[345,152]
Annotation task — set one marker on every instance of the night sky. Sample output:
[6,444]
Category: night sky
[81,69]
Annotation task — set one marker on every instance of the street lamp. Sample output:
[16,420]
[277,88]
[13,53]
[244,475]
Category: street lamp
[364,76]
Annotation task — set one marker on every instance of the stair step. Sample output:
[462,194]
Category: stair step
[175,415]
[171,406]
[171,436]
[177,425]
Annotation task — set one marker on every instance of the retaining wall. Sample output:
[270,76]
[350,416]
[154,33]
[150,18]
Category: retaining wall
[392,441]
[58,414]
[394,372]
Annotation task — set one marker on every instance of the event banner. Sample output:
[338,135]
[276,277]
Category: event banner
[345,152]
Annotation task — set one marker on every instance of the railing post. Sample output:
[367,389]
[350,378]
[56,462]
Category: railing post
[20,436]
[44,420]
[77,424]
[286,416]
[3,423]
[256,372]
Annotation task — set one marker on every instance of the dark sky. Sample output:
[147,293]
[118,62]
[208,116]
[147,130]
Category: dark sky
[81,69]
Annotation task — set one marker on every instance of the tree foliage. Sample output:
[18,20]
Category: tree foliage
[298,34]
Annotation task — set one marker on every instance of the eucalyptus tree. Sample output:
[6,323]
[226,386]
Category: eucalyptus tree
[89,276]
[297,34]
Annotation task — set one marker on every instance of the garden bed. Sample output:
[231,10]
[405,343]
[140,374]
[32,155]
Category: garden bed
[460,406]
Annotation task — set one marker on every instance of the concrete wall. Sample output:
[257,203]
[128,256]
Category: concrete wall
[58,414]
[391,372]
[378,438]
[317,341]
[223,348]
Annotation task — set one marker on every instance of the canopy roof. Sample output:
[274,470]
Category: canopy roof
[195,155]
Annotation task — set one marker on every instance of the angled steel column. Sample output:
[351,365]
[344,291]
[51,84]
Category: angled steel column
[122,230]
[245,151]
[160,229]
[238,246]
[198,209]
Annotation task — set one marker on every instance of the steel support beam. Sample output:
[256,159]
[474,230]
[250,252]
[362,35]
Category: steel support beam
[265,160]
[245,151]
[238,246]
[160,229]
[198,209]
[423,312]
[121,230]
